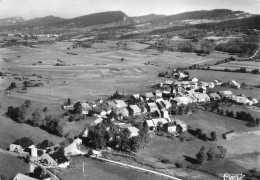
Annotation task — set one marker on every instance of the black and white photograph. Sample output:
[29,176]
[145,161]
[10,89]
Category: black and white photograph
[129,89]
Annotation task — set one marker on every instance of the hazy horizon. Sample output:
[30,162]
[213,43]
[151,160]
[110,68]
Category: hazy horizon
[29,9]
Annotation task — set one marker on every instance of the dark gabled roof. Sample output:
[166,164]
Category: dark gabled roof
[59,157]
[24,142]
[44,144]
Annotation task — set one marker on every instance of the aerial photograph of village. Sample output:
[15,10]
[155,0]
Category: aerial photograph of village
[129,89]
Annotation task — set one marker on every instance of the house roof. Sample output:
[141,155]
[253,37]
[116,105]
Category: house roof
[166,103]
[59,157]
[158,92]
[183,99]
[24,142]
[44,144]
[225,93]
[133,129]
[112,104]
[201,96]
[150,123]
[136,96]
[135,108]
[152,106]
[157,120]
[120,104]
[23,177]
[123,125]
[86,106]
[149,95]
[168,82]
[28,150]
[214,95]
[123,111]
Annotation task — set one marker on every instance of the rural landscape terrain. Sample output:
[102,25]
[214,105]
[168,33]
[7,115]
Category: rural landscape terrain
[108,96]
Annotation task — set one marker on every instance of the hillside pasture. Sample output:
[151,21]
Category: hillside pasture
[10,166]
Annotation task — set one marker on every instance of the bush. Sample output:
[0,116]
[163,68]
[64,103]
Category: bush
[178,165]
[166,161]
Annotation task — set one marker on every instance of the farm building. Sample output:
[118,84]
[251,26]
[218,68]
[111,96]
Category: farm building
[122,111]
[234,84]
[150,125]
[214,96]
[182,100]
[133,131]
[211,85]
[225,94]
[201,97]
[20,176]
[86,108]
[152,107]
[158,93]
[148,95]
[134,110]
[20,144]
[59,159]
[217,82]
[170,127]
[120,104]
[72,149]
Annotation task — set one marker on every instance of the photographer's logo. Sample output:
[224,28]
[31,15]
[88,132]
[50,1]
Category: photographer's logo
[227,176]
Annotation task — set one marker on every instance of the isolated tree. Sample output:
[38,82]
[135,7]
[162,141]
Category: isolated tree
[199,132]
[204,137]
[257,121]
[12,85]
[222,151]
[201,155]
[135,143]
[69,101]
[22,113]
[27,103]
[38,118]
[213,135]
[211,154]
[78,108]
[45,109]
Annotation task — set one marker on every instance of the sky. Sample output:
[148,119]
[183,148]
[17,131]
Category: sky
[29,9]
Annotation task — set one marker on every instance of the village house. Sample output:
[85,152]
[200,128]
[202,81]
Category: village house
[211,85]
[112,105]
[217,82]
[195,80]
[20,144]
[152,107]
[182,124]
[182,100]
[161,121]
[136,96]
[158,93]
[134,110]
[58,159]
[97,121]
[241,99]
[122,112]
[151,125]
[20,176]
[226,94]
[168,83]
[73,149]
[120,104]
[201,97]
[201,89]
[170,127]
[253,100]
[234,84]
[133,131]
[148,96]
[86,108]
[214,96]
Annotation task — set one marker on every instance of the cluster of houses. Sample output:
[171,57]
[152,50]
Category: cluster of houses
[47,155]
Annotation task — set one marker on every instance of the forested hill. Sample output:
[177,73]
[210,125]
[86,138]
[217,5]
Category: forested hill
[245,23]
[216,14]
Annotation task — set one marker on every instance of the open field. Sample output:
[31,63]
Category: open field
[11,131]
[249,65]
[96,170]
[10,166]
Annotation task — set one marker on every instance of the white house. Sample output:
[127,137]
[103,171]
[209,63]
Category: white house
[182,100]
[158,93]
[20,144]
[148,95]
[135,110]
[133,131]
[225,94]
[152,107]
[201,97]
[150,125]
[211,85]
[20,176]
